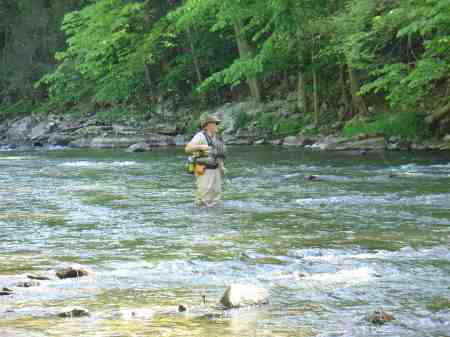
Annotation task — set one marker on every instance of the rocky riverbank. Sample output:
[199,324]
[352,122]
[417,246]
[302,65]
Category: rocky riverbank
[92,132]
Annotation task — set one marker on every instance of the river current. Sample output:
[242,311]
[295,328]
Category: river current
[374,232]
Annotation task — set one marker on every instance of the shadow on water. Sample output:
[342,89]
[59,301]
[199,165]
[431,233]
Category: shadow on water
[373,231]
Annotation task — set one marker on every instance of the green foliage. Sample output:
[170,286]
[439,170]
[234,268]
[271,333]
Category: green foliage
[406,124]
[243,119]
[115,54]
[287,127]
[193,127]
[265,121]
[20,108]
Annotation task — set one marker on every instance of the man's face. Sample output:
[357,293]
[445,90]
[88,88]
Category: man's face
[212,128]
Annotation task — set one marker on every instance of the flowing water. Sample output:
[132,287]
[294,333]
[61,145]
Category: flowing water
[375,233]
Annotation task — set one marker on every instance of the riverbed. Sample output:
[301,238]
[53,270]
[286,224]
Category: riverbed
[373,232]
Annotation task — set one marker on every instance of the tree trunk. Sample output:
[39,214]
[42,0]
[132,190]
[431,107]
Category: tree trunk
[315,99]
[194,56]
[245,51]
[344,97]
[147,75]
[358,103]
[302,103]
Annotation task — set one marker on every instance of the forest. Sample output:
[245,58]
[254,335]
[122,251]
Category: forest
[372,65]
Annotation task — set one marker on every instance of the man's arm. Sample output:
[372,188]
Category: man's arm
[197,144]
[191,148]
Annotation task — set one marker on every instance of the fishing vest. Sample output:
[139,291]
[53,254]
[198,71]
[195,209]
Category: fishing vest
[215,155]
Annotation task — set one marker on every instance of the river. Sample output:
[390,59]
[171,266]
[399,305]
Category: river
[375,233]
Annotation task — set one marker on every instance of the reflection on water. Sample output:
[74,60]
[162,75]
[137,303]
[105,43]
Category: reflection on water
[375,232]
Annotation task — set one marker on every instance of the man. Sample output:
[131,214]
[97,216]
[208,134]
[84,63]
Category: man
[208,152]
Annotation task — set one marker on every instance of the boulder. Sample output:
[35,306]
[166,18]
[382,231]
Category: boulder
[74,313]
[59,139]
[260,142]
[297,141]
[42,129]
[380,317]
[80,142]
[72,271]
[242,295]
[140,147]
[20,129]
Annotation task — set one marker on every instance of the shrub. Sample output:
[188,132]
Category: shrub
[405,124]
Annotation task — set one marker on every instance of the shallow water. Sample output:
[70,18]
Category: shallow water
[329,252]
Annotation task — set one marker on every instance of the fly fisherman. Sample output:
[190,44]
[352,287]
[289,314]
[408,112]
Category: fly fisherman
[208,153]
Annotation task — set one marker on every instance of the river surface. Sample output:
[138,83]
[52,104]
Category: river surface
[375,233]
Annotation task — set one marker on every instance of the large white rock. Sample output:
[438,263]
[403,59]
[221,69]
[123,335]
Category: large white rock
[241,295]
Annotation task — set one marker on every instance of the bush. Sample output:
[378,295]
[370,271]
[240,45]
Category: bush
[287,127]
[20,108]
[243,119]
[265,121]
[405,124]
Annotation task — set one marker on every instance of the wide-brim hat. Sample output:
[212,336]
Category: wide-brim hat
[210,119]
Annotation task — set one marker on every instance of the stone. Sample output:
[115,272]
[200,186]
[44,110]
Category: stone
[42,129]
[139,147]
[297,141]
[380,317]
[182,308]
[38,277]
[28,284]
[73,271]
[239,141]
[276,142]
[80,143]
[313,178]
[21,128]
[446,138]
[260,142]
[74,313]
[242,295]
[59,139]
[180,140]
[6,292]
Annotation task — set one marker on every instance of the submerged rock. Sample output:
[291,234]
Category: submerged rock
[313,178]
[6,292]
[241,295]
[182,308]
[72,271]
[74,313]
[28,284]
[380,317]
[38,277]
